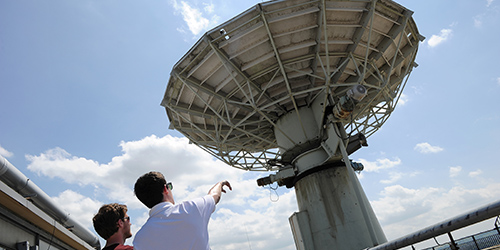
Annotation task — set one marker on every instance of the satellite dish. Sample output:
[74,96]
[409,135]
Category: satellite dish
[229,91]
[295,86]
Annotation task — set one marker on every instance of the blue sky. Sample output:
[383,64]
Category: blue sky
[81,84]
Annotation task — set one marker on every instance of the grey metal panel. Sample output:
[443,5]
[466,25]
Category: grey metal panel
[301,230]
[14,229]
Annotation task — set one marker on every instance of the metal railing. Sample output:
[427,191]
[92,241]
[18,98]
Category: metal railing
[478,241]
[488,211]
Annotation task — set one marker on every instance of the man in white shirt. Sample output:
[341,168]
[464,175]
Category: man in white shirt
[174,226]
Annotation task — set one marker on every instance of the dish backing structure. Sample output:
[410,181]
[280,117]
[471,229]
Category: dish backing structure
[295,86]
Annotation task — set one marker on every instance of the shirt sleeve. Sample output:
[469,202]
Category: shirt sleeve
[206,206]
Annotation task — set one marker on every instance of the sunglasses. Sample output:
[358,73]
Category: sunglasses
[126,218]
[170,186]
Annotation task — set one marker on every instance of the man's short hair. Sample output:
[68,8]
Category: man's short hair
[149,188]
[105,221]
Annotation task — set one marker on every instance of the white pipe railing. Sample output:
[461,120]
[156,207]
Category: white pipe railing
[483,213]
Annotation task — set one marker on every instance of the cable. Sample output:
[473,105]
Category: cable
[271,189]
[52,236]
[248,239]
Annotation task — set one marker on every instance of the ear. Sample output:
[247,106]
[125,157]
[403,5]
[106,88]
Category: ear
[120,223]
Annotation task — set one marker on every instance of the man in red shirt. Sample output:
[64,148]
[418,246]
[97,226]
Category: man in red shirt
[113,224]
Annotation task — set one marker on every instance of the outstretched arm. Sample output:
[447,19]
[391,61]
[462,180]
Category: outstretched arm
[217,190]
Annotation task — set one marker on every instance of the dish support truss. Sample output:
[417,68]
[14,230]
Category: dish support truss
[228,92]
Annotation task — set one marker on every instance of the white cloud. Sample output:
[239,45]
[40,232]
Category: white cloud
[175,157]
[486,16]
[251,228]
[475,173]
[397,200]
[5,153]
[79,207]
[426,148]
[194,17]
[393,177]
[478,21]
[403,210]
[403,99]
[444,35]
[209,8]
[59,163]
[498,80]
[455,171]
[379,164]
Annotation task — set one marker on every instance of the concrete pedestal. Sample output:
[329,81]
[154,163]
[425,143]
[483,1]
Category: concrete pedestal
[334,209]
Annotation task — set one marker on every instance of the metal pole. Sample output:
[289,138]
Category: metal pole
[475,242]
[453,245]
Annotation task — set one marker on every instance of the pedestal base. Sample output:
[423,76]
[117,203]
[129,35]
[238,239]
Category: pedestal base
[337,212]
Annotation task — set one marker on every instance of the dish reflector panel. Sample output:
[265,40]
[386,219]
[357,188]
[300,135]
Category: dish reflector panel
[227,93]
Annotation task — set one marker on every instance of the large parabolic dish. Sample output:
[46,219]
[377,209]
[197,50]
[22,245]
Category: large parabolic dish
[228,92]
